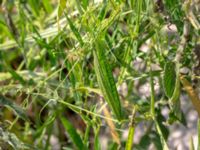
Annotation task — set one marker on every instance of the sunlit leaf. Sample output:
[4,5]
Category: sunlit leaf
[169,79]
[105,79]
[61,7]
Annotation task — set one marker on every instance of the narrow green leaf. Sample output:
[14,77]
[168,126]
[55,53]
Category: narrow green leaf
[176,114]
[129,141]
[127,59]
[176,13]
[75,78]
[16,76]
[18,111]
[34,6]
[102,12]
[47,122]
[176,93]
[47,6]
[85,4]
[79,7]
[164,143]
[61,7]
[76,139]
[97,145]
[160,119]
[169,79]
[105,79]
[108,21]
[87,134]
[74,30]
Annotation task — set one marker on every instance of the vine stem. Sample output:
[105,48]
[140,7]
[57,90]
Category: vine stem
[152,94]
[152,107]
[129,142]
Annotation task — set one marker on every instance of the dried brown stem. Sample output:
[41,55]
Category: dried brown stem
[192,94]
[111,125]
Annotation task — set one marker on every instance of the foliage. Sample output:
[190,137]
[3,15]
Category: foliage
[64,65]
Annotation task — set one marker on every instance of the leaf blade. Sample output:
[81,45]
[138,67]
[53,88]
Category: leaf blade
[106,81]
[76,139]
[169,79]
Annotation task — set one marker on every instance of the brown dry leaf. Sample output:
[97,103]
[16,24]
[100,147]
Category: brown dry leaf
[111,125]
[192,94]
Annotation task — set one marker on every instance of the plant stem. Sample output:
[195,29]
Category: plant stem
[152,108]
[152,94]
[198,126]
[129,142]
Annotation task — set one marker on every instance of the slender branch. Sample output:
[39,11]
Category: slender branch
[184,40]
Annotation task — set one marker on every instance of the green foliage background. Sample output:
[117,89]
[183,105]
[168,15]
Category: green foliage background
[63,64]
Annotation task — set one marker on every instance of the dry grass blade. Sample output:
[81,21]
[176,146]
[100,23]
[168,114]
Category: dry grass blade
[192,94]
[111,125]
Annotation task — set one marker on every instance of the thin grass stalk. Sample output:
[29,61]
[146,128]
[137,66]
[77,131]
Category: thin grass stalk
[164,143]
[198,144]
[105,80]
[152,107]
[152,94]
[129,141]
